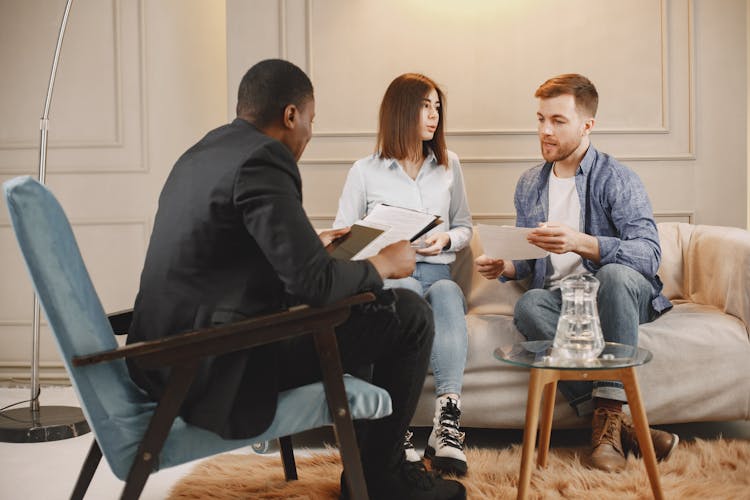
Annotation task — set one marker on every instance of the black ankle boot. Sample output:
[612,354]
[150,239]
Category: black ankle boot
[409,481]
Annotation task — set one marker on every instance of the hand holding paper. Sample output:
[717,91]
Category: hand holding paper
[433,244]
[508,243]
[327,237]
[492,269]
[395,260]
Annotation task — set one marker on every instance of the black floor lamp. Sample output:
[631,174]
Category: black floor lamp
[42,423]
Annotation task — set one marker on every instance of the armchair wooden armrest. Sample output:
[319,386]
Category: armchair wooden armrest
[183,352]
[231,337]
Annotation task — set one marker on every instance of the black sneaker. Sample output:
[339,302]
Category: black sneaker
[410,481]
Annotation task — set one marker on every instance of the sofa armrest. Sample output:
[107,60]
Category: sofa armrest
[717,263]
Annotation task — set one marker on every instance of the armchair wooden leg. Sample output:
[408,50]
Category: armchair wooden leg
[147,456]
[330,364]
[87,471]
[287,458]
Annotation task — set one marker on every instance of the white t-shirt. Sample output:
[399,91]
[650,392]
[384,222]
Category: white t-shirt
[564,208]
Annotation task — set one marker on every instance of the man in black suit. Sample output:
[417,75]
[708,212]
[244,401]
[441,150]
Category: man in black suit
[231,240]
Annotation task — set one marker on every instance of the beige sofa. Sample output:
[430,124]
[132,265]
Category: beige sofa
[701,353]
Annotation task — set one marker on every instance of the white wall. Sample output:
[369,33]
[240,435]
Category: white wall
[140,81]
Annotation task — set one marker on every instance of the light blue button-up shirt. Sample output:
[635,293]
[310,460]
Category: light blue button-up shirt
[436,190]
[614,208]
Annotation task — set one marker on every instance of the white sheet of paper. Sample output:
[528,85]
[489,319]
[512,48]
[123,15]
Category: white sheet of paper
[508,243]
[400,224]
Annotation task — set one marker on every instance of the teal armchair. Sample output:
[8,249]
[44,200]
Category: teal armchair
[136,435]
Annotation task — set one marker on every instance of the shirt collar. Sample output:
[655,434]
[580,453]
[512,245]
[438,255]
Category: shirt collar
[588,160]
[391,163]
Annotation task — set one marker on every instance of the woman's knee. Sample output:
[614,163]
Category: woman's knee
[445,291]
[408,283]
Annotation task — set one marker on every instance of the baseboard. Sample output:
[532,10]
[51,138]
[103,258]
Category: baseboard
[19,373]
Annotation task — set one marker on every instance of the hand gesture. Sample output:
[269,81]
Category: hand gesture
[326,237]
[490,268]
[397,260]
[559,238]
[434,244]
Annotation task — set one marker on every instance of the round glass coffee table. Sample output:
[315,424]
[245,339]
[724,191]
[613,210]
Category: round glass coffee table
[616,362]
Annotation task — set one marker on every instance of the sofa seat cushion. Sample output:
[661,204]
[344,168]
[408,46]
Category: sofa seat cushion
[677,385]
[701,357]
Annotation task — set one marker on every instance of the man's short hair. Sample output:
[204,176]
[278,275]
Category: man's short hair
[268,88]
[580,87]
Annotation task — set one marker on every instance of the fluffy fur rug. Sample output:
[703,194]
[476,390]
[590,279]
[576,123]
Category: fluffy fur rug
[717,469]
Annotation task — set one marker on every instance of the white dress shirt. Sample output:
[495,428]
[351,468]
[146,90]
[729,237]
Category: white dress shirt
[436,190]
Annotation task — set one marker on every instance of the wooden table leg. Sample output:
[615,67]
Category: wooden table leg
[545,427]
[536,384]
[640,421]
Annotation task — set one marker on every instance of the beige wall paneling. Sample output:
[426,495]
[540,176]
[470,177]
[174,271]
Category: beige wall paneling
[489,57]
[138,83]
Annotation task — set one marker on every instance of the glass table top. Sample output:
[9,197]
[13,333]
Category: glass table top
[539,354]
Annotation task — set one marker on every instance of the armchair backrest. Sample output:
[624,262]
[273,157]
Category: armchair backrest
[114,406]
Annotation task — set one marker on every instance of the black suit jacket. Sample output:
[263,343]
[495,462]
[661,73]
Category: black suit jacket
[231,240]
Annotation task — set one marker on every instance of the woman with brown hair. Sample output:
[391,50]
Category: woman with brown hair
[412,168]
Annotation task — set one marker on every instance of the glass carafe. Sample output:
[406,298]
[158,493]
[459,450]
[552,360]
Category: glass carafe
[579,334]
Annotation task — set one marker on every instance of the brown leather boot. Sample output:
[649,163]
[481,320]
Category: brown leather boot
[664,442]
[606,441]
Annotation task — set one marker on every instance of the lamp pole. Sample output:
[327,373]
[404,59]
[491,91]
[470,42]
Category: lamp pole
[43,130]
[48,423]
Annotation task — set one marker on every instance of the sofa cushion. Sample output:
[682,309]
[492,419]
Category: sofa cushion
[700,367]
[718,269]
[674,238]
[483,296]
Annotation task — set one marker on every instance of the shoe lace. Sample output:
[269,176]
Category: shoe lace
[408,445]
[606,433]
[416,474]
[449,433]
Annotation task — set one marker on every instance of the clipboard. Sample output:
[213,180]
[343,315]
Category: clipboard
[353,242]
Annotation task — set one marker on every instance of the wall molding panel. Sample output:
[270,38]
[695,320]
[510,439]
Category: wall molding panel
[96,128]
[138,82]
[668,136]
[658,66]
[322,221]
[102,241]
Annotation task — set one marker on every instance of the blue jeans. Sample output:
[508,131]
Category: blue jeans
[448,358]
[624,302]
